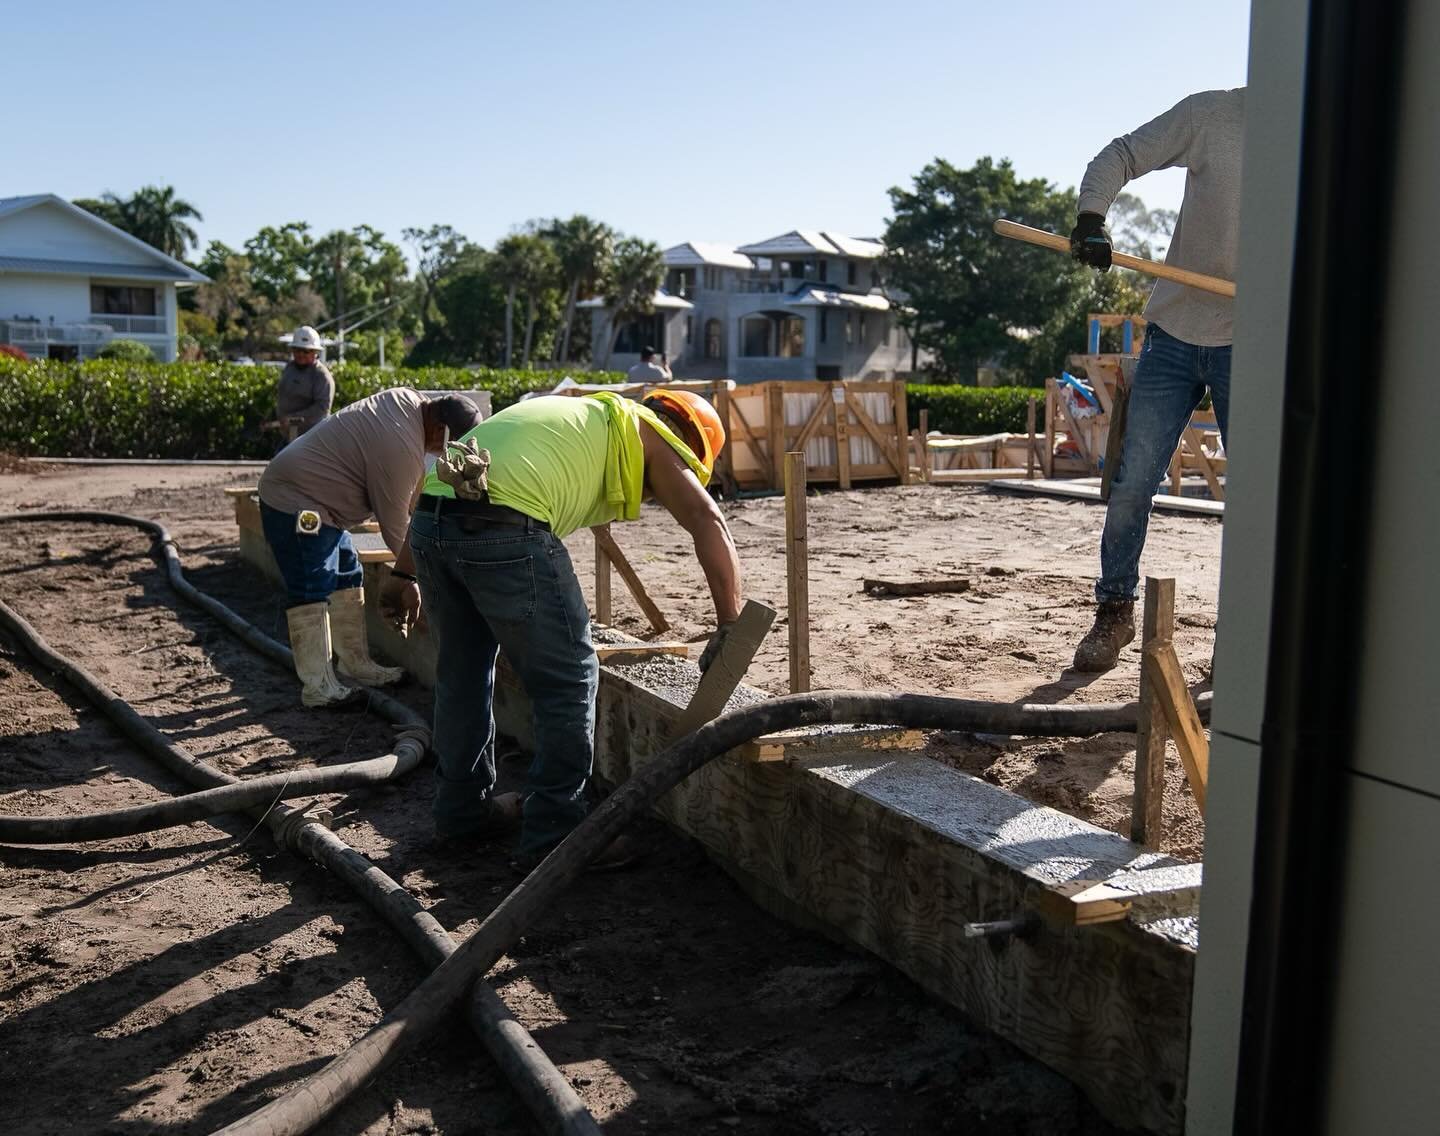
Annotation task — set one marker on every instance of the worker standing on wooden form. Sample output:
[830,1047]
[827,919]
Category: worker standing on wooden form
[494,574]
[1187,343]
[363,462]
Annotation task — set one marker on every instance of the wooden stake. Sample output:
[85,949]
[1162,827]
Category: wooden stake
[1175,473]
[1030,440]
[1047,455]
[797,572]
[606,542]
[604,609]
[924,445]
[1147,808]
[1115,440]
[842,434]
[900,408]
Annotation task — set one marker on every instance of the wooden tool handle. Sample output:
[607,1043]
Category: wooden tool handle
[1121,260]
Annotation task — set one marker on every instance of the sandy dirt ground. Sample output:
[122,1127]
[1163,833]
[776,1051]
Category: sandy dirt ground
[169,983]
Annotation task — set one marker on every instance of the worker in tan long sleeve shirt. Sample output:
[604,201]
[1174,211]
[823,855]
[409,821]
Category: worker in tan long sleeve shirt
[365,461]
[306,389]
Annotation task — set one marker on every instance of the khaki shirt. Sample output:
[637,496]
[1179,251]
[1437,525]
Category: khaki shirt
[363,462]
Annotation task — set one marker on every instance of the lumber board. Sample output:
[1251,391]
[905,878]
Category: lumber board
[1114,440]
[1088,489]
[882,588]
[1072,428]
[1147,807]
[605,541]
[1167,681]
[925,463]
[841,422]
[728,670]
[607,652]
[775,425]
[1197,446]
[746,433]
[1030,439]
[988,473]
[900,409]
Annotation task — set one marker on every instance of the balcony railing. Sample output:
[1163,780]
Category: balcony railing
[34,333]
[133,325]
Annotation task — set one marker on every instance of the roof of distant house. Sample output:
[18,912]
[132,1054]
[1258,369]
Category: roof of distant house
[815,296]
[695,253]
[661,300]
[162,266]
[808,242]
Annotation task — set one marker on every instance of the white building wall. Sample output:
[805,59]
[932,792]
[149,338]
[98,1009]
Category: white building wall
[63,299]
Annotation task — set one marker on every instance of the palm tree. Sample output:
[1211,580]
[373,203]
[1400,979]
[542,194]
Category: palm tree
[540,270]
[155,215]
[636,274]
[510,271]
[585,247]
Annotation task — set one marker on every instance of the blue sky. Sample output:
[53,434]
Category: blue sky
[730,121]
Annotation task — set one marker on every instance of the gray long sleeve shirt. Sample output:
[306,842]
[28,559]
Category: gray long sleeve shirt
[364,461]
[305,393]
[1203,133]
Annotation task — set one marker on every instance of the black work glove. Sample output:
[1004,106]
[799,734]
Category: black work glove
[1090,241]
[712,648]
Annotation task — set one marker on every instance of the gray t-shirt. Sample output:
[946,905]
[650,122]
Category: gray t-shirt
[364,461]
[1203,133]
[305,393]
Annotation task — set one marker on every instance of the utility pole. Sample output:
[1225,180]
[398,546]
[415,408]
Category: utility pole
[340,296]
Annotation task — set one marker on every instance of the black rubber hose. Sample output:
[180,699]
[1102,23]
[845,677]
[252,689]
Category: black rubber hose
[315,1098]
[391,709]
[544,1090]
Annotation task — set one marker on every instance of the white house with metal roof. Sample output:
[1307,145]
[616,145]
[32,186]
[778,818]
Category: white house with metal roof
[70,282]
[803,305]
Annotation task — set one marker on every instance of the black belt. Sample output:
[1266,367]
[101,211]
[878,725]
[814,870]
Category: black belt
[481,510]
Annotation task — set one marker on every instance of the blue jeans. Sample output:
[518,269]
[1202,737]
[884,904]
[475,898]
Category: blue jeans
[1170,380]
[488,587]
[312,565]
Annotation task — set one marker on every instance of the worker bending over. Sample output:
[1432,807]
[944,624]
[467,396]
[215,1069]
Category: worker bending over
[365,461]
[1187,343]
[494,574]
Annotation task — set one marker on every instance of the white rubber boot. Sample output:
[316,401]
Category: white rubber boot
[310,643]
[352,647]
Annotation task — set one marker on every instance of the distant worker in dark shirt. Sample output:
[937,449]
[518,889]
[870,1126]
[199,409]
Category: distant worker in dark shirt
[306,387]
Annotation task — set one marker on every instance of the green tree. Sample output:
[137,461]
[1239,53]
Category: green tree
[635,274]
[585,248]
[439,252]
[470,302]
[971,296]
[279,258]
[357,268]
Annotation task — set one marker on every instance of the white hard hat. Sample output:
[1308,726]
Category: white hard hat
[305,339]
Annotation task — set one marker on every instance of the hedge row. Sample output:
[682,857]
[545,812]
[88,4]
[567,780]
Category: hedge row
[109,408]
[971,410]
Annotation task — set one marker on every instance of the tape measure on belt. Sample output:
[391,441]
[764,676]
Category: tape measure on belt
[307,522]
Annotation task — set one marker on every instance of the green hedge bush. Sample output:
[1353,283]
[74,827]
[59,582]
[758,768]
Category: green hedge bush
[112,408]
[126,351]
[971,410]
[115,409]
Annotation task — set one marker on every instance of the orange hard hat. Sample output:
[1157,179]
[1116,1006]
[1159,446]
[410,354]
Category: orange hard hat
[693,409]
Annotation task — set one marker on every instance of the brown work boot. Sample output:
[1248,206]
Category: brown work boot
[1114,627]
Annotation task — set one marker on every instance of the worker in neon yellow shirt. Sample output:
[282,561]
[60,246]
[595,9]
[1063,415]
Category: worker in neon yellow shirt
[486,556]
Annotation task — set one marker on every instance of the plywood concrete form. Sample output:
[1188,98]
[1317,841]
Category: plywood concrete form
[897,853]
